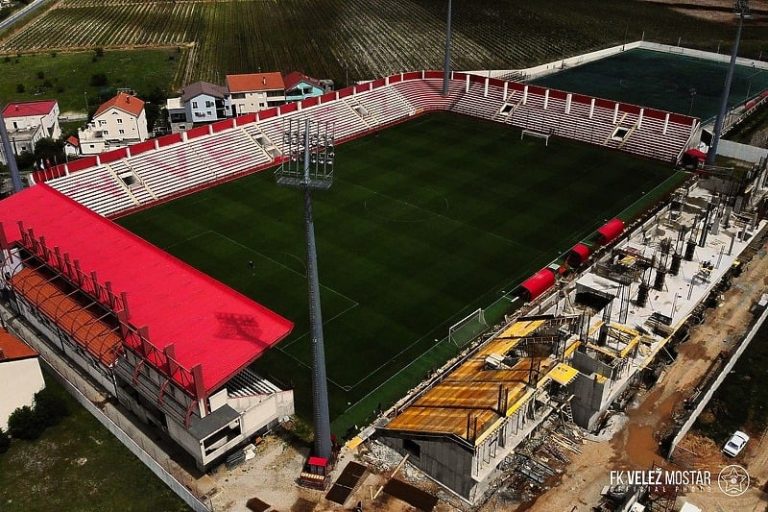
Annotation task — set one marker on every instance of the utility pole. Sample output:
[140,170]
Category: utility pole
[742,9]
[447,63]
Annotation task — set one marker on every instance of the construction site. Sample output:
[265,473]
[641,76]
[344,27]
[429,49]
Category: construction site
[512,412]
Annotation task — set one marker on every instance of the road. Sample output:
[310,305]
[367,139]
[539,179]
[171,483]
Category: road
[20,14]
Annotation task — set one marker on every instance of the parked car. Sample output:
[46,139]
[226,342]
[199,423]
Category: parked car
[736,443]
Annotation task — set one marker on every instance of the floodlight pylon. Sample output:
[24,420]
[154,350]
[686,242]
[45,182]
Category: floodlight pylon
[10,156]
[742,9]
[308,163]
[447,62]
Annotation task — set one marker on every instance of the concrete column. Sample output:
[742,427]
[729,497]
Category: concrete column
[592,108]
[485,91]
[337,95]
[98,160]
[546,99]
[66,170]
[210,130]
[615,113]
[128,152]
[506,88]
[184,137]
[568,100]
[466,88]
[666,124]
[640,119]
[279,111]
[525,95]
[299,105]
[386,81]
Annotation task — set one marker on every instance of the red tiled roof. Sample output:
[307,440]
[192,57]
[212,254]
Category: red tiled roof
[124,102]
[255,82]
[74,141]
[208,323]
[29,108]
[293,78]
[12,349]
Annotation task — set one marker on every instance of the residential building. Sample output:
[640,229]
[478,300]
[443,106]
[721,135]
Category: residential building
[72,146]
[254,92]
[299,86]
[117,123]
[20,372]
[28,122]
[199,103]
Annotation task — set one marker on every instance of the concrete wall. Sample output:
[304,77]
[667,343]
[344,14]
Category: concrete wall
[589,395]
[739,151]
[443,460]
[20,379]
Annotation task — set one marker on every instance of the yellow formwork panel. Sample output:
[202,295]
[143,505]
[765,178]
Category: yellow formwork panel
[563,374]
[471,391]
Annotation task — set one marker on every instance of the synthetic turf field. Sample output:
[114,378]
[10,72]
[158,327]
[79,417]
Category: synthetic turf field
[425,222]
[660,80]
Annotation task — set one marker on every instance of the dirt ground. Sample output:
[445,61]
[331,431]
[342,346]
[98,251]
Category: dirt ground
[635,446]
[716,10]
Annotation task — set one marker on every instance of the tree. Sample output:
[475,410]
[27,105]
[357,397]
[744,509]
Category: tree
[20,88]
[99,80]
[5,441]
[50,410]
[49,150]
[25,424]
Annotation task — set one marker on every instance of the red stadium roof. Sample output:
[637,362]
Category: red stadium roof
[207,322]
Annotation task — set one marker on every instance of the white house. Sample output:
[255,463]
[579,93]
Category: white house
[200,102]
[255,91]
[20,376]
[28,122]
[299,86]
[118,122]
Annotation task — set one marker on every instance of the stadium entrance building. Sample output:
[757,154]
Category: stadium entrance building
[170,343]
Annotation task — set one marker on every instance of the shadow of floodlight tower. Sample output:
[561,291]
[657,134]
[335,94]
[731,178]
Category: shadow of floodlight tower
[308,162]
[742,10]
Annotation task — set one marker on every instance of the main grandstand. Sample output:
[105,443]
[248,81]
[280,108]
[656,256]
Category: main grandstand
[174,345]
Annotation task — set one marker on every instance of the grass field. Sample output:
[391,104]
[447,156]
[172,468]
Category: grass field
[67,76]
[661,80]
[426,222]
[79,466]
[363,38]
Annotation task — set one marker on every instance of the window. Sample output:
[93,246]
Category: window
[209,113]
[102,122]
[121,131]
[15,125]
[194,104]
[119,121]
[208,104]
[238,96]
[272,94]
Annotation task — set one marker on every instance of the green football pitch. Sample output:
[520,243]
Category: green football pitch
[426,222]
[667,81]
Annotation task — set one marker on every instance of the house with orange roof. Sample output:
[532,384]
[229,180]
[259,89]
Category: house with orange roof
[20,370]
[118,122]
[252,92]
